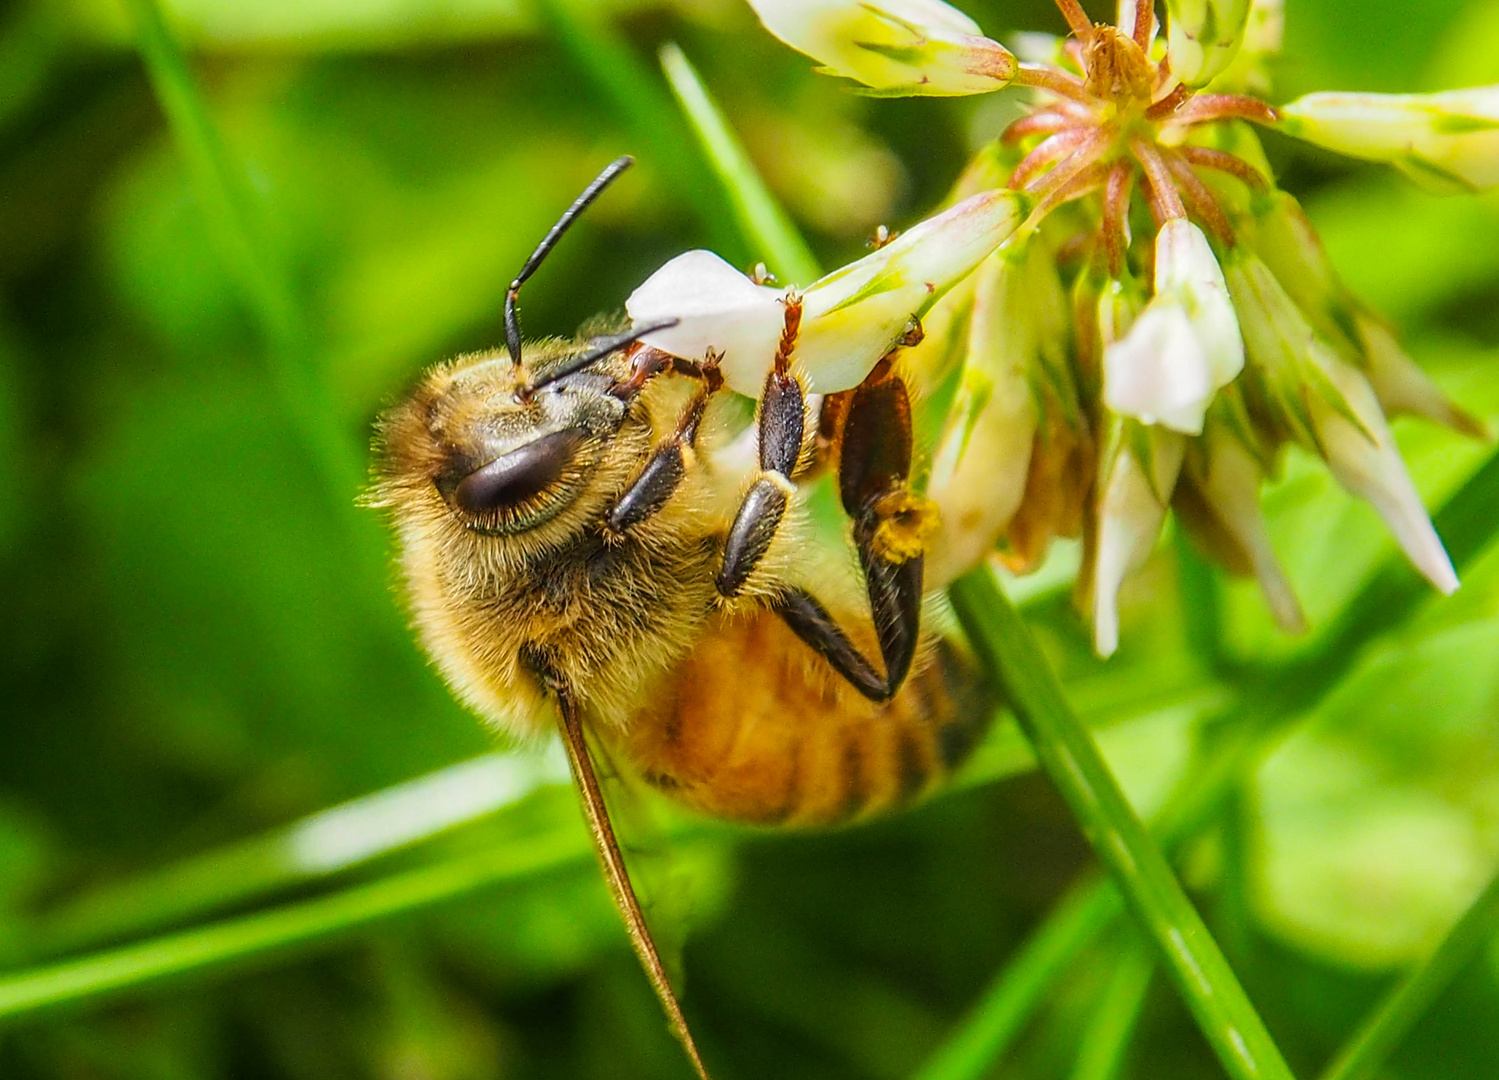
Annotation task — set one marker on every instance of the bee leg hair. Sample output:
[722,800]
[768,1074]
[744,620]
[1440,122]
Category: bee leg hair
[890,526]
[668,464]
[609,853]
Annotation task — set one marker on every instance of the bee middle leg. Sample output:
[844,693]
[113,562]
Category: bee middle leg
[782,426]
[891,526]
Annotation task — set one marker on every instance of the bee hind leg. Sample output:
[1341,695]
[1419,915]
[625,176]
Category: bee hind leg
[891,527]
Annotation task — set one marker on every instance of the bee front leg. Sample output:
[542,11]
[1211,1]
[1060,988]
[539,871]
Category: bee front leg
[782,425]
[668,464]
[891,528]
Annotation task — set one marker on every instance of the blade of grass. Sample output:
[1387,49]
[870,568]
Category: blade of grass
[265,934]
[1109,1033]
[1071,760]
[320,845]
[1364,1053]
[235,223]
[620,76]
[759,216]
[1073,924]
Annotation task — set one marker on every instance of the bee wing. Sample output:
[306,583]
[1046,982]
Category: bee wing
[615,873]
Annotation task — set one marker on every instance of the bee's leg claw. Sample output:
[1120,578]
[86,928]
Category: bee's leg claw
[782,427]
[810,621]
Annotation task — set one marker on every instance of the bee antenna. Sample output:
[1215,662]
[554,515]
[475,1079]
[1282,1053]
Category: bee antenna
[598,352]
[548,242]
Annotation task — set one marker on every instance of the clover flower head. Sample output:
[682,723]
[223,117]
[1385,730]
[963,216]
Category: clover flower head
[1195,328]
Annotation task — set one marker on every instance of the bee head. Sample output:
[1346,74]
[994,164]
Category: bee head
[507,449]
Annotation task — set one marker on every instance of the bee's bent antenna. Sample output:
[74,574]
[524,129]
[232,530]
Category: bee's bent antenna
[598,352]
[591,192]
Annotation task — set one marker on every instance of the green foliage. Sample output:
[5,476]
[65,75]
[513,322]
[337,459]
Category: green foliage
[214,270]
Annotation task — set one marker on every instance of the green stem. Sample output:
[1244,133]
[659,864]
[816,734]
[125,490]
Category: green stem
[236,227]
[1364,1053]
[1107,1038]
[760,217]
[264,934]
[655,126]
[1071,759]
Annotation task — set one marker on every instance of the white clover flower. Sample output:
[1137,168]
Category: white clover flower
[1365,460]
[1203,37]
[1447,141]
[1401,385]
[1131,509]
[1316,389]
[896,47]
[980,467]
[1184,346]
[1227,478]
[850,318]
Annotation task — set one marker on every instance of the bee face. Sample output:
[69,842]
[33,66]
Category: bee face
[504,461]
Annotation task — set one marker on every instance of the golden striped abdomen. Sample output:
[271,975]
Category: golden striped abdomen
[755,727]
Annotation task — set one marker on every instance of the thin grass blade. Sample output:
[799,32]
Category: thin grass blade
[760,217]
[1107,1038]
[236,224]
[1369,1047]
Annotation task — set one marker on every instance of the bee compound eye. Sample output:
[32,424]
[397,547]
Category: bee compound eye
[517,477]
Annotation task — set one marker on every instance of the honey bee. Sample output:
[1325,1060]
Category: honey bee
[587,548]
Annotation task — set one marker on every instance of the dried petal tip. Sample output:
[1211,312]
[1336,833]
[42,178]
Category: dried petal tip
[1204,36]
[894,47]
[1185,346]
[1448,142]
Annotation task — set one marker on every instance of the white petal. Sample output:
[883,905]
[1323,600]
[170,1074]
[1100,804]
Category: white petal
[1374,470]
[1129,520]
[1185,345]
[853,316]
[979,470]
[719,309]
[1158,373]
[1231,486]
[1401,385]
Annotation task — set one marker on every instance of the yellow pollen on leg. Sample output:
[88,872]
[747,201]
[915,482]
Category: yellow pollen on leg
[908,523]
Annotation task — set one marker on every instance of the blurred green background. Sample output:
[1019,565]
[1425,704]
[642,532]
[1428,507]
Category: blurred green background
[200,649]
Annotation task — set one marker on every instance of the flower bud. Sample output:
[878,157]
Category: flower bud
[850,318]
[1184,346]
[894,47]
[1203,36]
[1131,508]
[1448,142]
